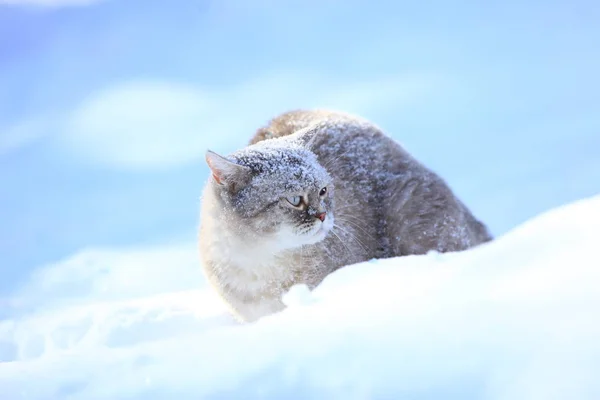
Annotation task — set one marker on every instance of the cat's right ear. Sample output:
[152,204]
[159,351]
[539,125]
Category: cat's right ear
[226,172]
[308,139]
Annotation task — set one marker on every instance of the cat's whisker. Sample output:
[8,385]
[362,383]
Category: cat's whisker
[347,206]
[356,226]
[352,236]
[345,245]
[342,242]
[344,215]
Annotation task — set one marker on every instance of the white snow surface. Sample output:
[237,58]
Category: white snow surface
[518,318]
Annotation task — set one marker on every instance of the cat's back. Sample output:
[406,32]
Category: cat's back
[292,121]
[351,148]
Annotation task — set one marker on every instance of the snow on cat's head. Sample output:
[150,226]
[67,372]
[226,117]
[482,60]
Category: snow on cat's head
[274,192]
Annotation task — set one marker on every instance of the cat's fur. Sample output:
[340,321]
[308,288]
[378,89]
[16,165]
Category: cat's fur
[380,202]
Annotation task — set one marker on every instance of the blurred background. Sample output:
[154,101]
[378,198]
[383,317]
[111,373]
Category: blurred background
[107,107]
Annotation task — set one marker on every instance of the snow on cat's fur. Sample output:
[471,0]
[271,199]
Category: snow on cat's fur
[313,192]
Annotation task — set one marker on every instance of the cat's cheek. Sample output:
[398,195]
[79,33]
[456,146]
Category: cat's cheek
[271,226]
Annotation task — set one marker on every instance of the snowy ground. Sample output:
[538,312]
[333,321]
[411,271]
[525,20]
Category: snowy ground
[515,319]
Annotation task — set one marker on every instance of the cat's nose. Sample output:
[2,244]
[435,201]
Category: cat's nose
[321,216]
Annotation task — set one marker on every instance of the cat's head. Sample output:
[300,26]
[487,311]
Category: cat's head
[276,193]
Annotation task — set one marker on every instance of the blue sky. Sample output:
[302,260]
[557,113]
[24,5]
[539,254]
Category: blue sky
[107,107]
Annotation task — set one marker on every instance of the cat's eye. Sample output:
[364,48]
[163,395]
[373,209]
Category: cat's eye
[323,192]
[295,200]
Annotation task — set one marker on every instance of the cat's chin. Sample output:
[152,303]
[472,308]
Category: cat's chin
[316,237]
[318,234]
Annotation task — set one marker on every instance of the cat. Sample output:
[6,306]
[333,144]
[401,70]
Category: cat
[314,191]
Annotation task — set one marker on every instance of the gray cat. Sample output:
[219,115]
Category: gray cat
[315,191]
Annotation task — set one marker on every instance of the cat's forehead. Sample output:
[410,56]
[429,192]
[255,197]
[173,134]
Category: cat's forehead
[293,168]
[272,160]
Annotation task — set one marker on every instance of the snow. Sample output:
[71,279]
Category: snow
[516,318]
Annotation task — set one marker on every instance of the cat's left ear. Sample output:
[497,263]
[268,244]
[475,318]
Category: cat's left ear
[226,172]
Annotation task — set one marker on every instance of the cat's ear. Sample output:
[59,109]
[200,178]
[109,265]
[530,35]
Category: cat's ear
[226,172]
[308,138]
[311,142]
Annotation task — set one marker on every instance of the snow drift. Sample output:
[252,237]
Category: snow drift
[517,318]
